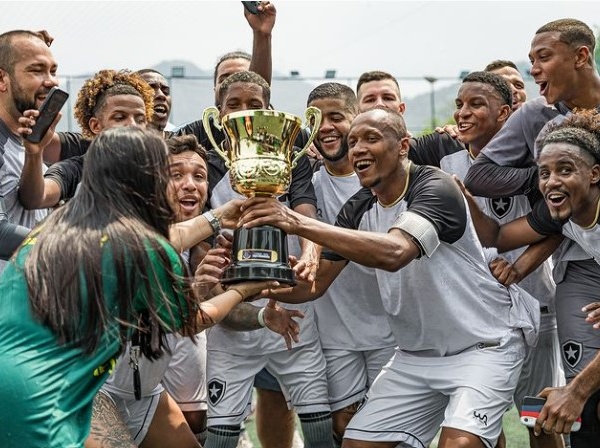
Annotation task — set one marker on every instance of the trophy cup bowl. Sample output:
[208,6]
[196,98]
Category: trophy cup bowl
[260,156]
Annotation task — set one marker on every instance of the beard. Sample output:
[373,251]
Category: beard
[22,103]
[339,155]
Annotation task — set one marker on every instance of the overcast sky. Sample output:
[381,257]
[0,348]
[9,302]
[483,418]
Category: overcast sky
[406,38]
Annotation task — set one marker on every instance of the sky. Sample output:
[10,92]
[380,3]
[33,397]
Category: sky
[409,39]
[405,38]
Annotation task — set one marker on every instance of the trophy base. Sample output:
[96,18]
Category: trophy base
[258,271]
[260,253]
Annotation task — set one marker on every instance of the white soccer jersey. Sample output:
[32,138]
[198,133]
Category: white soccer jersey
[539,283]
[447,302]
[350,314]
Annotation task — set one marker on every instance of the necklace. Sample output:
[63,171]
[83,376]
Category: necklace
[595,221]
[399,198]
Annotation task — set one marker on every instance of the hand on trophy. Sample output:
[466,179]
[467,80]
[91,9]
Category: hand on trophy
[209,271]
[281,320]
[229,213]
[259,211]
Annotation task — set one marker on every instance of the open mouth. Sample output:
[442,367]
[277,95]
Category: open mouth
[543,87]
[362,165]
[188,205]
[555,199]
[160,110]
[464,127]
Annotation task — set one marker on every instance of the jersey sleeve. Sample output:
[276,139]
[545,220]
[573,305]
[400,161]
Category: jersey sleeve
[301,189]
[67,174]
[72,144]
[541,221]
[430,149]
[435,197]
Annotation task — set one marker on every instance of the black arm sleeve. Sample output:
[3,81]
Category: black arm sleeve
[488,179]
[72,144]
[302,190]
[541,221]
[430,149]
[436,197]
[67,173]
[11,235]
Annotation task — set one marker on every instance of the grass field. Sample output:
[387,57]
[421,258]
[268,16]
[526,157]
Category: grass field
[516,433]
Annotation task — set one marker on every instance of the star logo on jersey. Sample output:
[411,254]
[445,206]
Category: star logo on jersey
[216,391]
[501,206]
[572,352]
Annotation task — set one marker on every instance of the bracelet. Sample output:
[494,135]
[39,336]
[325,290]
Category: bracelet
[261,317]
[214,222]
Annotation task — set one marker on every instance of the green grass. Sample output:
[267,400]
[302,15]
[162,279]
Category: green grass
[516,433]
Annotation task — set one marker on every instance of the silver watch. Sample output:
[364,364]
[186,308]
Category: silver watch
[213,221]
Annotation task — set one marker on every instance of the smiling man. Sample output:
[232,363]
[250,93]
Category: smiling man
[569,179]
[27,73]
[412,225]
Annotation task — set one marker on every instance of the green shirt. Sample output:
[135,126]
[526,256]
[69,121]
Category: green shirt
[47,389]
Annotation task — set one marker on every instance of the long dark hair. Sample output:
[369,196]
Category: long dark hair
[119,218]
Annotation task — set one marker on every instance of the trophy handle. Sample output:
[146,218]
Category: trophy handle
[310,112]
[213,112]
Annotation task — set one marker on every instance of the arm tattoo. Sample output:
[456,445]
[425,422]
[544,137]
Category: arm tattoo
[108,429]
[244,317]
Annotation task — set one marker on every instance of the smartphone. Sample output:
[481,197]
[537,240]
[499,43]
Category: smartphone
[251,7]
[530,411]
[49,109]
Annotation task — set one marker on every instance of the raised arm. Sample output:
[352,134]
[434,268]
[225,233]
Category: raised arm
[35,191]
[262,26]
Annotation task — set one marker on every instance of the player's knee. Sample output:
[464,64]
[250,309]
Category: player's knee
[341,418]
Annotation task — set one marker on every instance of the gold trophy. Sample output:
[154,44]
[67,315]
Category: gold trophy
[259,152]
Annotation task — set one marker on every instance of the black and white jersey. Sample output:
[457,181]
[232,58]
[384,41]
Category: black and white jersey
[589,239]
[448,301]
[350,314]
[503,210]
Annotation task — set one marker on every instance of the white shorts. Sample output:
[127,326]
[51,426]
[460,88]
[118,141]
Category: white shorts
[136,414]
[185,378]
[300,372]
[350,373]
[413,396]
[542,366]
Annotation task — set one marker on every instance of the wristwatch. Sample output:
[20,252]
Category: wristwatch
[213,221]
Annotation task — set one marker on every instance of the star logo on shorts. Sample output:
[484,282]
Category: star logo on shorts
[572,352]
[216,390]
[501,206]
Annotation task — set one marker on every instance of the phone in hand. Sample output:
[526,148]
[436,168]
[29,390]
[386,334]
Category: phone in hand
[530,411]
[251,7]
[49,109]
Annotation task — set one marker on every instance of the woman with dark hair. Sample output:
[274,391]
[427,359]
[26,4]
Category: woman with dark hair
[97,269]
